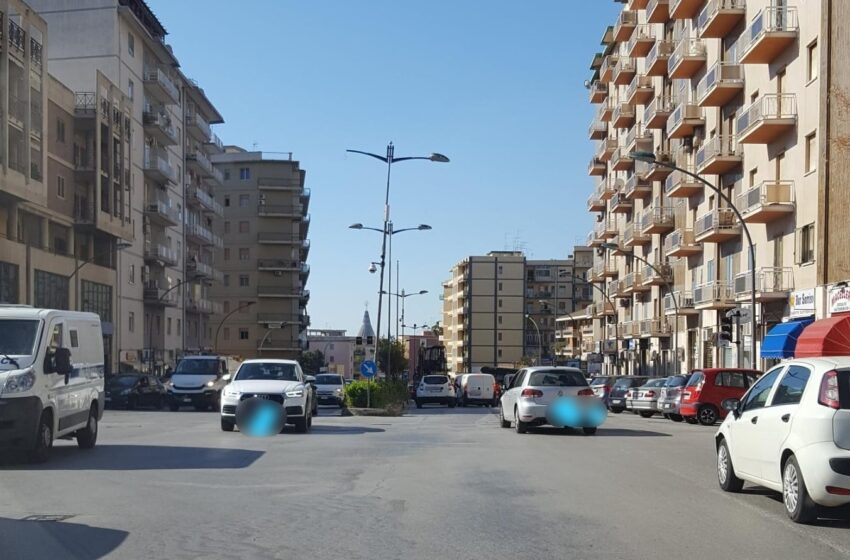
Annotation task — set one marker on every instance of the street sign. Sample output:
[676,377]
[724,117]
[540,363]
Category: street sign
[368,369]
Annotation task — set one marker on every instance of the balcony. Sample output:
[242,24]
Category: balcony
[714,295]
[598,91]
[658,11]
[624,116]
[636,4]
[279,291]
[202,306]
[766,202]
[657,171]
[278,265]
[657,275]
[293,211]
[717,226]
[655,328]
[275,317]
[203,270]
[278,184]
[685,117]
[278,238]
[632,283]
[657,112]
[607,189]
[160,211]
[719,17]
[160,254]
[773,30]
[305,197]
[202,236]
[690,55]
[598,130]
[624,71]
[633,236]
[638,139]
[615,289]
[606,71]
[641,41]
[773,283]
[625,26]
[681,243]
[595,203]
[640,91]
[658,58]
[606,229]
[681,185]
[214,145]
[719,155]
[684,9]
[622,161]
[160,85]
[603,310]
[205,201]
[597,168]
[637,188]
[603,269]
[304,271]
[153,294]
[198,162]
[720,85]
[685,301]
[620,204]
[158,125]
[305,249]
[197,127]
[157,167]
[657,219]
[605,112]
[767,118]
[607,148]
[627,329]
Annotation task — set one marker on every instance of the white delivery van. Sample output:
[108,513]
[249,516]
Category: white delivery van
[51,378]
[198,381]
[477,388]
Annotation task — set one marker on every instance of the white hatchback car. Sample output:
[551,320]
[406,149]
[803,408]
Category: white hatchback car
[791,433]
[435,389]
[532,390]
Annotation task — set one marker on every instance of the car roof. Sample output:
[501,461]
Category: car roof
[27,312]
[550,368]
[821,362]
[269,361]
[716,370]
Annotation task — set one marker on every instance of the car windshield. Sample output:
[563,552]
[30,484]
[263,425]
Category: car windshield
[328,380]
[676,381]
[124,381]
[189,366]
[435,379]
[656,383]
[17,336]
[557,378]
[267,372]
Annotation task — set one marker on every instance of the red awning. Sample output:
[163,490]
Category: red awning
[827,337]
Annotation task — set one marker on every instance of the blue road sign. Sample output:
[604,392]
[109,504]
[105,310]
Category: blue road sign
[368,369]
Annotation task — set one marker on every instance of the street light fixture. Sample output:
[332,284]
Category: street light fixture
[152,348]
[403,296]
[650,157]
[221,323]
[611,303]
[539,340]
[119,246]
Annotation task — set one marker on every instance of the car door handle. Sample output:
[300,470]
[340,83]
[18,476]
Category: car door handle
[755,420]
[786,417]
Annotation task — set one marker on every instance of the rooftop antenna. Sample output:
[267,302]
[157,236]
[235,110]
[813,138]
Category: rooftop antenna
[255,146]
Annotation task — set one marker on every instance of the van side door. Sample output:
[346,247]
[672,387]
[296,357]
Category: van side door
[60,392]
[83,378]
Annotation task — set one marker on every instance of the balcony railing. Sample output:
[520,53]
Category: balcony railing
[160,252]
[607,148]
[684,299]
[641,41]
[640,90]
[769,33]
[682,185]
[769,116]
[658,11]
[598,130]
[278,238]
[684,118]
[626,22]
[767,201]
[598,91]
[203,235]
[624,116]
[689,56]
[637,187]
[772,282]
[657,112]
[722,82]
[161,210]
[717,225]
[597,167]
[606,71]
[715,294]
[657,219]
[273,290]
[624,71]
[719,17]
[196,121]
[158,124]
[719,155]
[161,83]
[655,328]
[280,210]
[17,38]
[681,243]
[622,160]
[657,274]
[157,165]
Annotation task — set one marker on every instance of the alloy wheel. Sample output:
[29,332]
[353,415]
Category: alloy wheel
[722,464]
[790,487]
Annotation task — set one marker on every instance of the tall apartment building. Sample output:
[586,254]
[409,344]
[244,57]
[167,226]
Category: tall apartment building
[734,91]
[164,160]
[263,259]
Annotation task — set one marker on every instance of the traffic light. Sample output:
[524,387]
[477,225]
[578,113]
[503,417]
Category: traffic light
[726,329]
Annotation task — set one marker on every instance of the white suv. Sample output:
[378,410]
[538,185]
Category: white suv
[435,389]
[281,381]
[791,433]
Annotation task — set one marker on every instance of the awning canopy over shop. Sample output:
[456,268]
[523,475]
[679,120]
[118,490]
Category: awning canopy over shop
[827,337]
[781,340]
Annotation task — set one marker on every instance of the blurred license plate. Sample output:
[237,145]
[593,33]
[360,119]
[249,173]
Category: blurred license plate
[434,389]
[475,393]
[108,399]
[187,399]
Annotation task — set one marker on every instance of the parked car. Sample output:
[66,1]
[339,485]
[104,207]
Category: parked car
[133,390]
[617,394]
[526,402]
[644,399]
[475,388]
[281,381]
[708,388]
[330,389]
[791,433]
[438,389]
[671,395]
[602,385]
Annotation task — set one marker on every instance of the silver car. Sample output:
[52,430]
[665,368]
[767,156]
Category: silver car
[671,395]
[527,400]
[644,399]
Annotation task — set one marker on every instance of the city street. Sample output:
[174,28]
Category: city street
[434,484]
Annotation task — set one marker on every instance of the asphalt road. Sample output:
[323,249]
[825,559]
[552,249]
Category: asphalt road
[438,483]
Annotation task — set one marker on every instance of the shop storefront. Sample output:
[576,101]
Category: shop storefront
[781,339]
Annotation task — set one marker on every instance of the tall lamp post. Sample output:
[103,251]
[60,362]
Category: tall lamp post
[649,157]
[539,340]
[677,367]
[221,323]
[389,159]
[152,348]
[403,296]
[119,246]
[611,303]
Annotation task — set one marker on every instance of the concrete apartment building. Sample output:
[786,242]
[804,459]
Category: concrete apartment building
[263,258]
[156,181]
[736,92]
[336,346]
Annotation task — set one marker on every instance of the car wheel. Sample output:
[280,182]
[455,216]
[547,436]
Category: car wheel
[798,504]
[589,431]
[726,477]
[502,422]
[616,410]
[303,424]
[675,417]
[418,403]
[646,414]
[87,437]
[227,424]
[707,415]
[691,420]
[43,441]
[520,426]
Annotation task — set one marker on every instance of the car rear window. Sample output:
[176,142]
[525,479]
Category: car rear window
[435,379]
[557,378]
[656,382]
[676,381]
[696,378]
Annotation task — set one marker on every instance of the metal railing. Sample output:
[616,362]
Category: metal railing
[625,64]
[765,194]
[642,32]
[650,274]
[36,53]
[676,178]
[685,110]
[719,218]
[724,145]
[158,161]
[273,209]
[715,291]
[769,280]
[684,299]
[598,88]
[638,82]
[678,238]
[159,251]
[273,289]
[660,104]
[713,7]
[658,216]
[767,107]
[158,76]
[720,72]
[623,110]
[163,207]
[196,120]
[687,47]
[278,237]
[774,19]
[608,64]
[17,37]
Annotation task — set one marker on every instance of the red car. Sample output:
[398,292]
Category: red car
[707,388]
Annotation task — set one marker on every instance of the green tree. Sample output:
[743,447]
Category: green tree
[312,361]
[395,352]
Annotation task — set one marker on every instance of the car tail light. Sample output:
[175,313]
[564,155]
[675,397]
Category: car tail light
[531,393]
[586,393]
[838,490]
[649,394]
[828,395]
[628,394]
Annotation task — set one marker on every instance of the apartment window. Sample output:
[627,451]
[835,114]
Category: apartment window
[226,280]
[227,253]
[227,200]
[130,89]
[226,306]
[244,199]
[226,227]
[244,227]
[60,130]
[179,327]
[226,174]
[132,274]
[244,254]
[8,283]
[226,333]
[811,152]
[806,244]
[500,286]
[500,352]
[331,359]
[753,173]
[131,321]
[244,174]
[500,319]
[131,44]
[60,186]
[500,302]
[500,337]
[97,298]
[500,269]
[168,326]
[244,281]
[51,290]
[812,61]
[243,334]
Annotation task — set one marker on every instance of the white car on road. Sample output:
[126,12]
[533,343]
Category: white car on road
[533,389]
[435,389]
[791,433]
[281,381]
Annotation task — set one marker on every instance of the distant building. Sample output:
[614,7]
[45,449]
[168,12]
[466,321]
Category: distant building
[412,344]
[364,344]
[337,348]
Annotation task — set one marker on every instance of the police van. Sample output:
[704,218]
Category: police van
[51,378]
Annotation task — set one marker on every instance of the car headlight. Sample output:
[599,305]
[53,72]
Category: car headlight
[230,392]
[295,393]
[339,391]
[210,383]
[19,382]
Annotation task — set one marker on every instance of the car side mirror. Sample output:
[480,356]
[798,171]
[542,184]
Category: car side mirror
[309,379]
[732,405]
[62,361]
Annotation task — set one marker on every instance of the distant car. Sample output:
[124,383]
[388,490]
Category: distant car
[435,389]
[671,395]
[526,402]
[791,433]
[602,385]
[708,388]
[330,389]
[476,388]
[134,390]
[617,394]
[644,399]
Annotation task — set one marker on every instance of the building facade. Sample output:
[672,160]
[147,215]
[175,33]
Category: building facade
[337,348]
[732,91]
[263,258]
[412,344]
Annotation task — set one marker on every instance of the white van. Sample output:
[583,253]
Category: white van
[51,378]
[476,388]
[198,381]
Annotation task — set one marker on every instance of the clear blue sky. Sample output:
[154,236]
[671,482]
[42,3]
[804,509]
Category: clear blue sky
[496,85]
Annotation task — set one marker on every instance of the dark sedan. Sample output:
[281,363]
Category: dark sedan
[617,395]
[133,390]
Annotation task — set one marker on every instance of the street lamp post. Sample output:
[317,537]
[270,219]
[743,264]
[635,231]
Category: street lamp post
[403,296]
[611,303]
[650,157]
[539,340]
[119,246]
[221,323]
[152,348]
[677,368]
[389,159]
